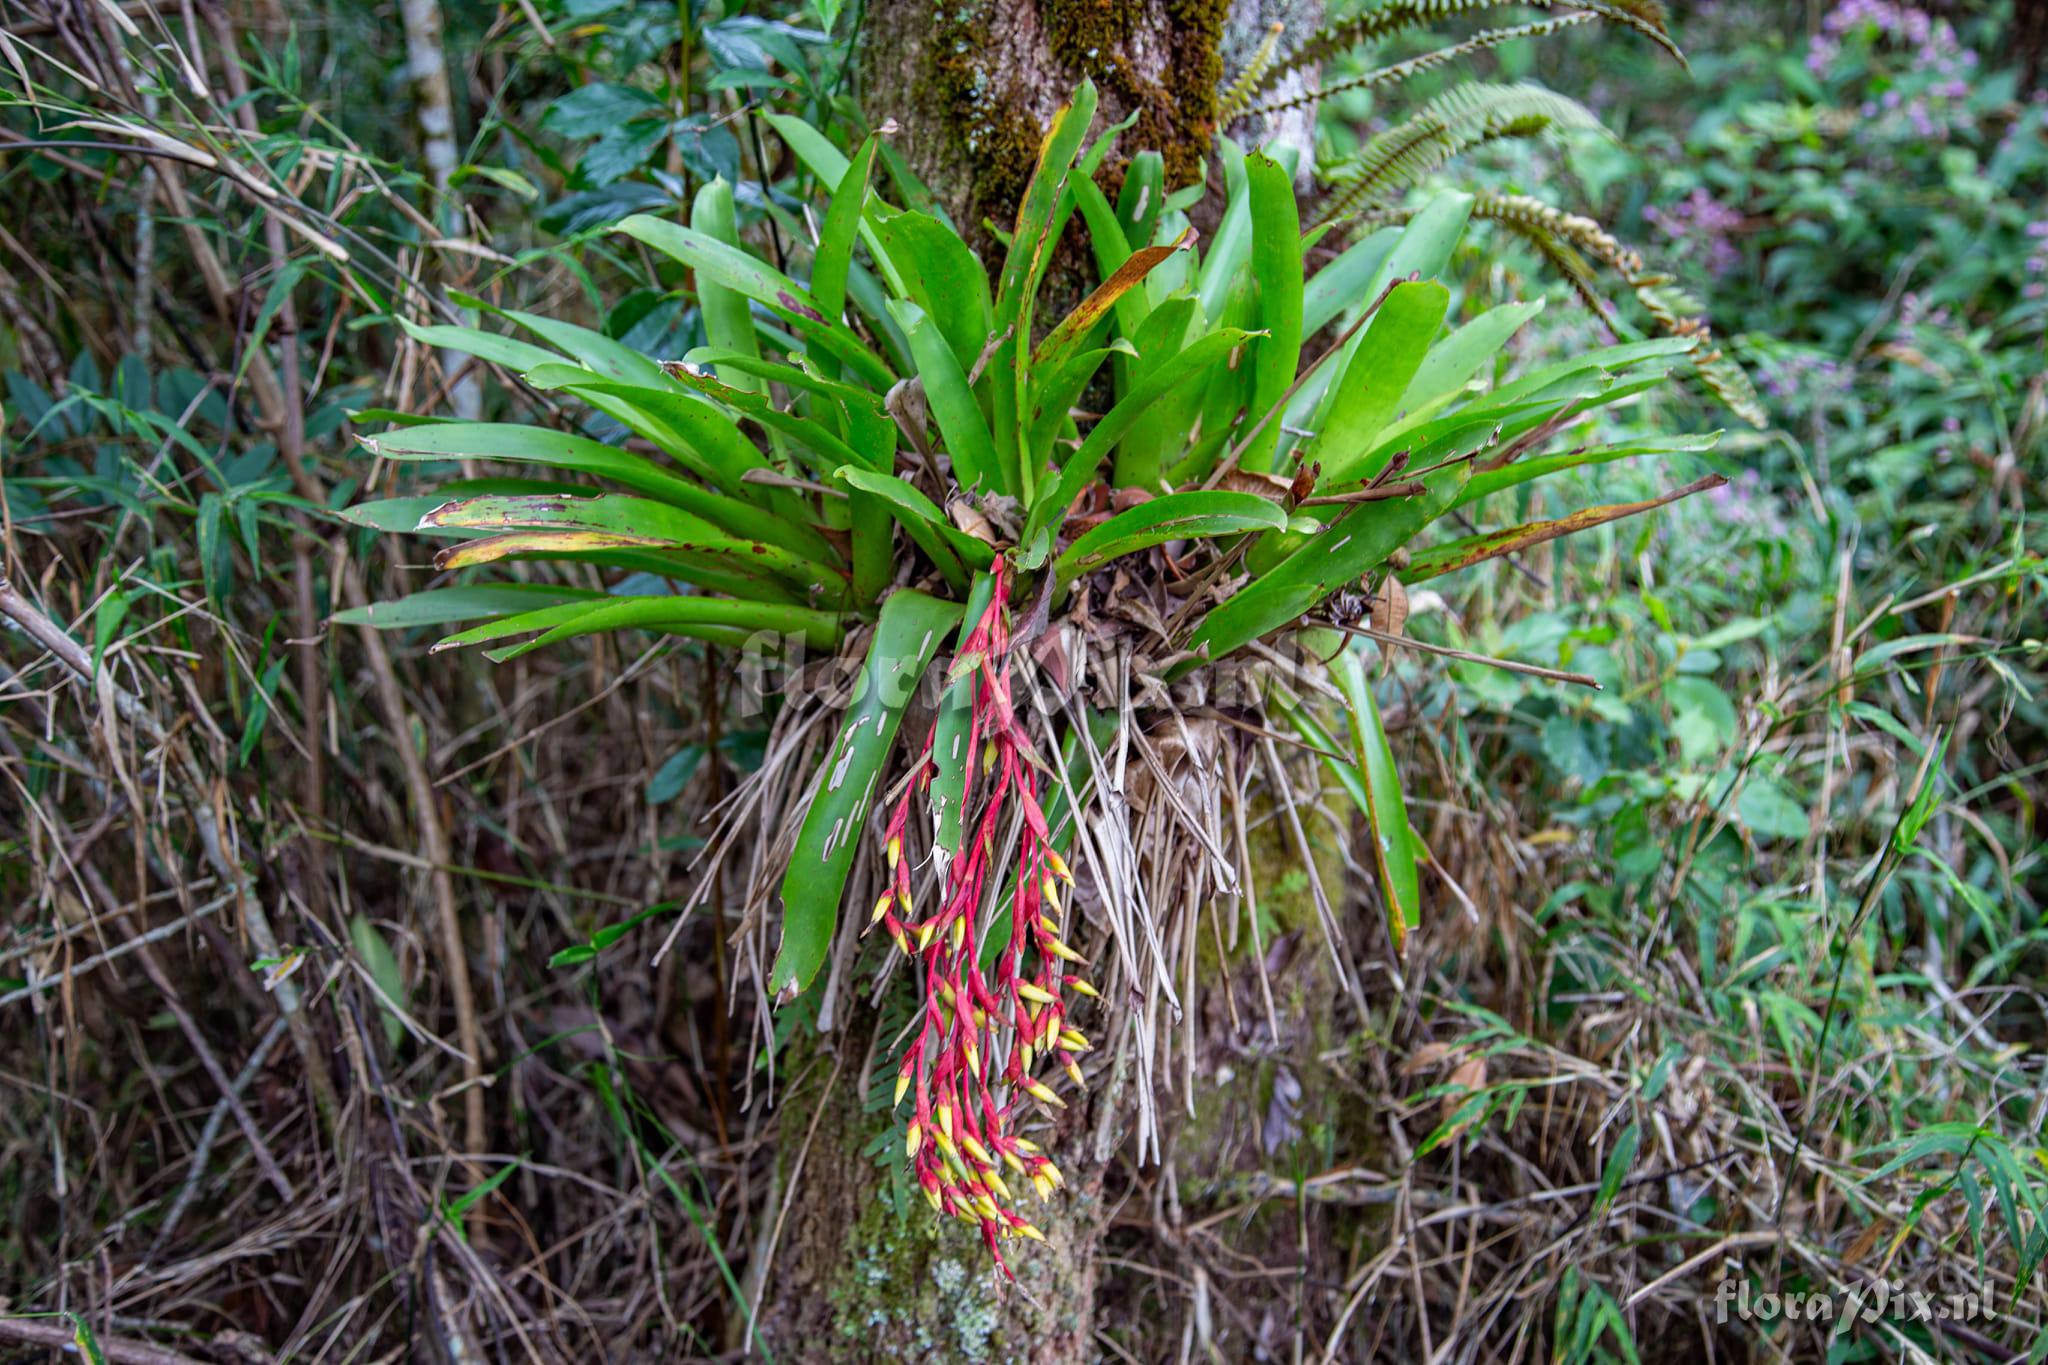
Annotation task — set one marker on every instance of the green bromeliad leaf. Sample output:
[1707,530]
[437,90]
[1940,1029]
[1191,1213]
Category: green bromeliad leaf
[1394,846]
[907,636]
[1176,516]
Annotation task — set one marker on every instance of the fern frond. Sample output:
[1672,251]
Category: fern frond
[1455,121]
[1380,22]
[1427,61]
[1389,163]
[1566,240]
[1237,99]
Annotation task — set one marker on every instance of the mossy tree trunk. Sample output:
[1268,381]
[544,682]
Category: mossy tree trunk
[866,1272]
[972,83]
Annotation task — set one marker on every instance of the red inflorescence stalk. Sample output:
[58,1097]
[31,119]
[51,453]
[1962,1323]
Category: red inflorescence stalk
[960,1135]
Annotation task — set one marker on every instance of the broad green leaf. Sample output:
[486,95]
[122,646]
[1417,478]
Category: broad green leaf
[975,462]
[697,435]
[940,274]
[440,606]
[650,522]
[922,518]
[813,148]
[1226,253]
[606,358]
[728,266]
[1490,481]
[1925,800]
[1453,361]
[1620,1162]
[1421,250]
[814,434]
[1080,468]
[1277,267]
[579,454]
[498,349]
[1388,354]
[1341,284]
[1176,516]
[382,964]
[1054,396]
[717,619]
[1162,431]
[835,236]
[725,265]
[907,636]
[1031,247]
[1073,330]
[1110,247]
[1349,548]
[1143,195]
[728,321]
[1394,849]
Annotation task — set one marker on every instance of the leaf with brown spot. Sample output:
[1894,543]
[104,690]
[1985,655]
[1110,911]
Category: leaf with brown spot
[1064,339]
[1463,554]
[472,552]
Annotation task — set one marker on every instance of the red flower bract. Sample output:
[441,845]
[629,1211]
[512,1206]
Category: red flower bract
[961,1135]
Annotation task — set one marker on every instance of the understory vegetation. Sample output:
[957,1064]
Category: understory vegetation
[624,737]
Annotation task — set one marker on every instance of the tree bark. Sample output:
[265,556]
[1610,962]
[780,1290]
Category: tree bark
[972,84]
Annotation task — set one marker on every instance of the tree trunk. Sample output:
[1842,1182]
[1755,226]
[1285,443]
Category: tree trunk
[971,84]
[865,1271]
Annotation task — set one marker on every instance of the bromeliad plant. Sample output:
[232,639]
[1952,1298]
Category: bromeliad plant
[892,450]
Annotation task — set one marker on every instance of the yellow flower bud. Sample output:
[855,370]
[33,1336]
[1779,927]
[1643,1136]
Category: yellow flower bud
[1081,987]
[895,852]
[881,908]
[1061,950]
[976,1150]
[902,1084]
[946,1121]
[1040,1091]
[913,1139]
[1036,995]
[1058,865]
[1074,1074]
